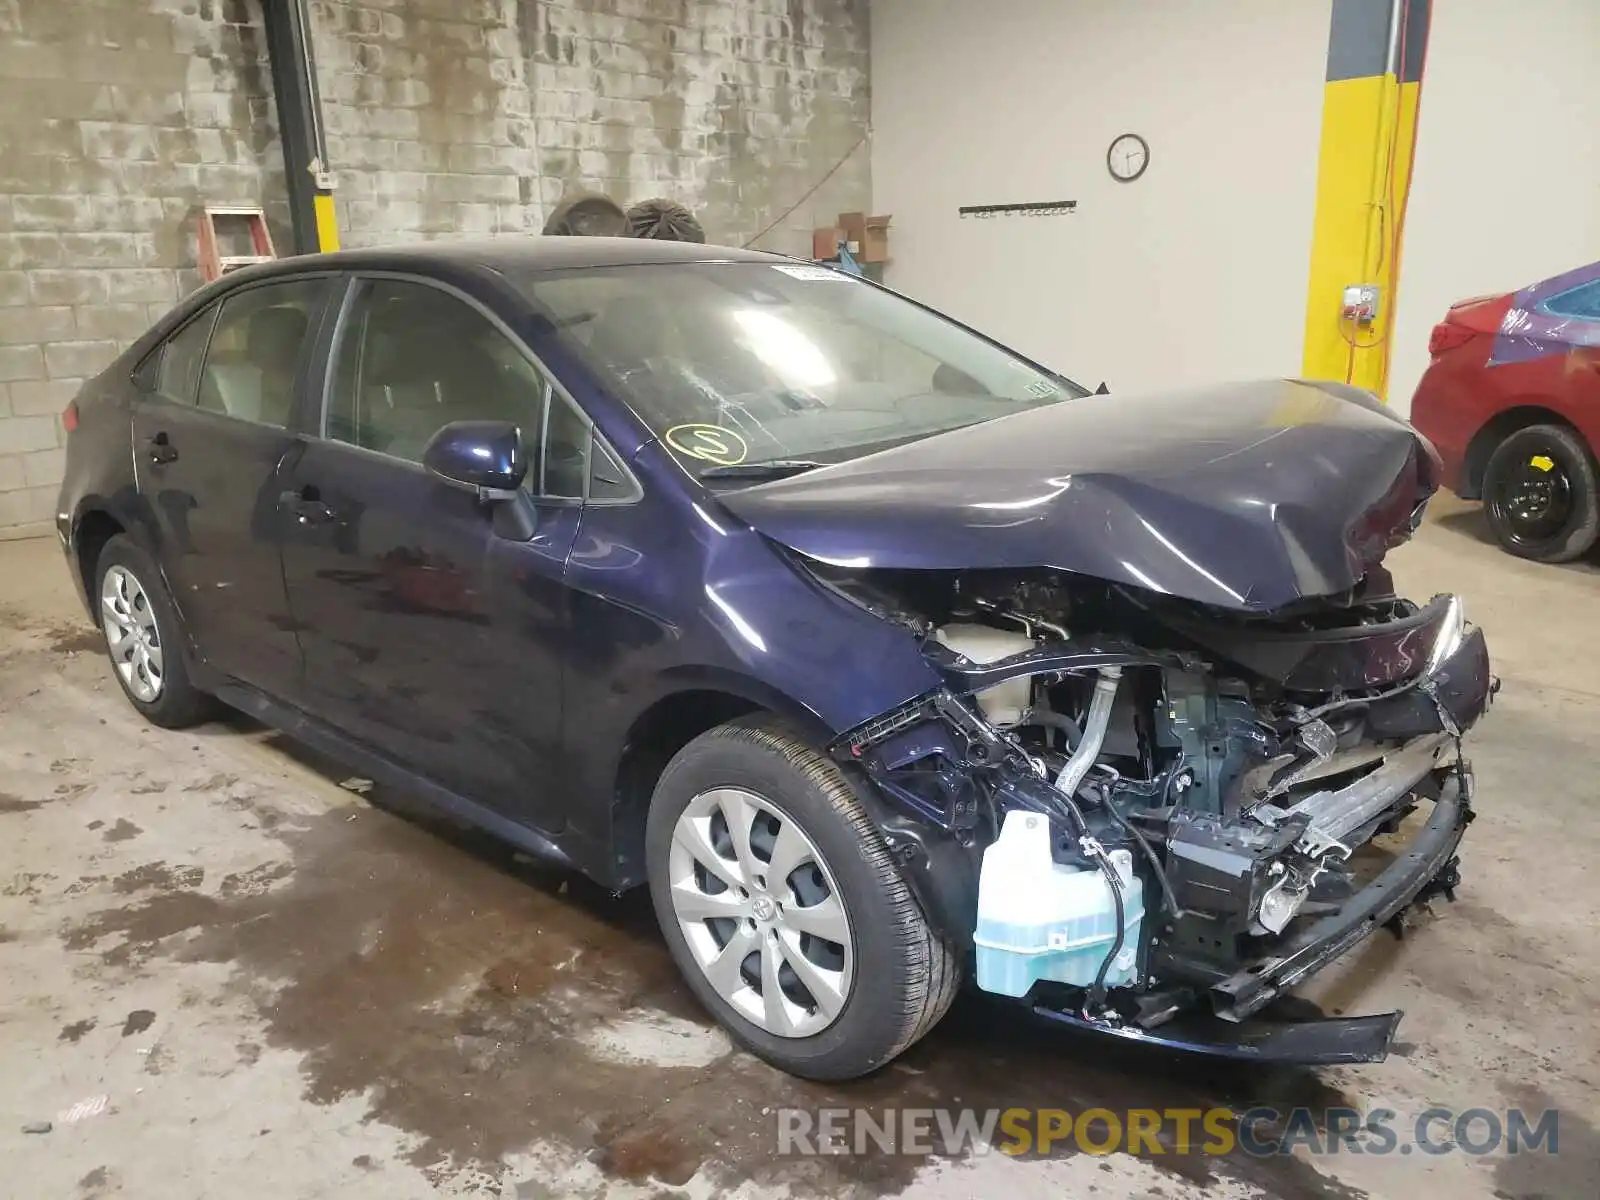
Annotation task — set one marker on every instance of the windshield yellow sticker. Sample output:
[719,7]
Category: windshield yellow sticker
[710,443]
[1543,462]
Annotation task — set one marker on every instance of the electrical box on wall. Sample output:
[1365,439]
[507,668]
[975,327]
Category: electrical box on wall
[1360,303]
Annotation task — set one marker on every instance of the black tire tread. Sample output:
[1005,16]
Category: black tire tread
[1582,537]
[931,967]
[934,971]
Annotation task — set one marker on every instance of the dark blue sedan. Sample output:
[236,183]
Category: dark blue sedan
[883,655]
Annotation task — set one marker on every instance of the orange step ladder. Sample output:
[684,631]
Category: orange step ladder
[213,263]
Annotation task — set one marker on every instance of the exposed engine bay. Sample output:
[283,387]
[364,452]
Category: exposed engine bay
[1138,807]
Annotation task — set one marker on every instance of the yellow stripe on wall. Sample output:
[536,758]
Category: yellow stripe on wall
[1363,170]
[1343,231]
[327,222]
[1406,106]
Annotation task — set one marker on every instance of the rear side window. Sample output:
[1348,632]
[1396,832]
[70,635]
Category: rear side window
[178,368]
[1581,302]
[253,359]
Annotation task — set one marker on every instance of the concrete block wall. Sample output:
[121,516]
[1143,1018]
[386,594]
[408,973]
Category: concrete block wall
[444,118]
[477,116]
[115,119]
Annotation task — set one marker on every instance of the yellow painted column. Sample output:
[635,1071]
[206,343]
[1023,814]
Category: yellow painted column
[1376,50]
[327,222]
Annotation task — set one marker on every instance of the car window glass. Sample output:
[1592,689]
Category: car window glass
[1582,302]
[147,375]
[253,359]
[179,371]
[412,359]
[735,362]
[608,479]
[566,451]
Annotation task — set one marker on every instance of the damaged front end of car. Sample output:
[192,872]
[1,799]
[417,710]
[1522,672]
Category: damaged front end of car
[1151,817]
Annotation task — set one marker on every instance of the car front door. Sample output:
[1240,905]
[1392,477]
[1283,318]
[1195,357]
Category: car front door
[212,427]
[427,636]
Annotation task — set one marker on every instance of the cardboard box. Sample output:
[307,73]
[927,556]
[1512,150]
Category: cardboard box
[825,241]
[875,240]
[854,227]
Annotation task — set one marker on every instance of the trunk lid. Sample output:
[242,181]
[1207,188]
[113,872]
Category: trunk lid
[1481,314]
[1467,321]
[1248,497]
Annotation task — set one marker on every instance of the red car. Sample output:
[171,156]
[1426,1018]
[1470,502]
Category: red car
[1512,402]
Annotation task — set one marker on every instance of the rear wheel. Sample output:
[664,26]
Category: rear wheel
[141,630]
[1541,496]
[783,909]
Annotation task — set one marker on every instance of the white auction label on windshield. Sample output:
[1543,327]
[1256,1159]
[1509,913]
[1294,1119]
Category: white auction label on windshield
[820,274]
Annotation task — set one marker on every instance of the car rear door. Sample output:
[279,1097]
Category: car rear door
[427,636]
[211,433]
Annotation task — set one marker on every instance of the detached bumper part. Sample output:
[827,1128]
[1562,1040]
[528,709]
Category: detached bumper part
[1306,1043]
[1463,688]
[1431,853]
[1045,930]
[1233,1031]
[1333,815]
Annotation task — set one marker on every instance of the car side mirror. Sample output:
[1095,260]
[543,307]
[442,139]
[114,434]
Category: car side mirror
[487,456]
[1102,390]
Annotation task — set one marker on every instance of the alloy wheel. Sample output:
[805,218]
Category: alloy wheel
[761,912]
[132,634]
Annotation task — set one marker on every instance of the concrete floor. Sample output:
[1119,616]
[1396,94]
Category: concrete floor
[284,990]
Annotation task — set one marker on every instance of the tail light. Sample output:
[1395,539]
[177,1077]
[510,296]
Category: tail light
[1447,335]
[69,416]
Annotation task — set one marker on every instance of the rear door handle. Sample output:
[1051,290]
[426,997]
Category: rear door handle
[162,451]
[305,507]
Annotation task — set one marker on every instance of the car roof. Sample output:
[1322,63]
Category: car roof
[525,252]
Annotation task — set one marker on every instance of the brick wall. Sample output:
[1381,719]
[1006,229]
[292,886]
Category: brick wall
[443,118]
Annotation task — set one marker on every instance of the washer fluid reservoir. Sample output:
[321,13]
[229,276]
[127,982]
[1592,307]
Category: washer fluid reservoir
[1039,919]
[1005,703]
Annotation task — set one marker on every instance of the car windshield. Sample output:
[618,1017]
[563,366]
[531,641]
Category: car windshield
[745,367]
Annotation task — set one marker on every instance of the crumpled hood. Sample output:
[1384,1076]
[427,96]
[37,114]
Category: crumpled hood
[1247,496]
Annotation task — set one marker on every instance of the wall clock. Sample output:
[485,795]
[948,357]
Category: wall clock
[1127,157]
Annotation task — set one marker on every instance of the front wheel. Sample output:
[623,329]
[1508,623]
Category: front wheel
[1540,493]
[783,909]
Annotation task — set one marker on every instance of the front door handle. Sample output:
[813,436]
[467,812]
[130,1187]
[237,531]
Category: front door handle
[305,506]
[162,451]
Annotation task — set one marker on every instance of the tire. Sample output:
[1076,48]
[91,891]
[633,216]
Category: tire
[898,976]
[127,581]
[1574,525]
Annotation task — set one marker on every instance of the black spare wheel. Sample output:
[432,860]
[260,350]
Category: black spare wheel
[1540,492]
[783,909]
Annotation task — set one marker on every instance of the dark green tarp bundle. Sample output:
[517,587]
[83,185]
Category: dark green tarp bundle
[666,220]
[588,215]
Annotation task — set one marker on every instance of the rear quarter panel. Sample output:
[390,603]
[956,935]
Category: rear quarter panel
[98,477]
[99,472]
[1464,390]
